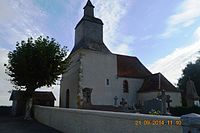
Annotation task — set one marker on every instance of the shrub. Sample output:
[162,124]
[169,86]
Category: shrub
[179,111]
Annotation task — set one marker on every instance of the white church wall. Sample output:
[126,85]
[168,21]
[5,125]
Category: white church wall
[90,121]
[147,96]
[70,81]
[174,96]
[97,68]
[133,86]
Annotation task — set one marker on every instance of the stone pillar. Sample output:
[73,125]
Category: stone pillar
[190,123]
[191,93]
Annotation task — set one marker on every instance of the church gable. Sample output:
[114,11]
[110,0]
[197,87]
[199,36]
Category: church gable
[157,82]
[128,66]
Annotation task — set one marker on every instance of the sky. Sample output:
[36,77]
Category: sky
[164,35]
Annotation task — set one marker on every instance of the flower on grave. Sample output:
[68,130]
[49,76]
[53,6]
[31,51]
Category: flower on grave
[154,112]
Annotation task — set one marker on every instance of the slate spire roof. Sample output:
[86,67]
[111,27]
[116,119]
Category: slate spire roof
[89,3]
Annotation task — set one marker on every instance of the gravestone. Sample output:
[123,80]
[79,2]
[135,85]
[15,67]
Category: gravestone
[163,98]
[123,103]
[168,102]
[154,104]
[115,101]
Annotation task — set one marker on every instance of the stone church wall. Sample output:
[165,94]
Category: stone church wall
[90,121]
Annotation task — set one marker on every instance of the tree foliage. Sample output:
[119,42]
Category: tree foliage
[36,63]
[192,71]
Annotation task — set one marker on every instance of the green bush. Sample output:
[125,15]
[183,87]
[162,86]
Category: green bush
[179,111]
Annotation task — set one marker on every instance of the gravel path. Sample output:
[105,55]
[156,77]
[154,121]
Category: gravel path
[10,124]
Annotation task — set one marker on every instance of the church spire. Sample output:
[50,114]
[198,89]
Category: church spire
[89,31]
[89,9]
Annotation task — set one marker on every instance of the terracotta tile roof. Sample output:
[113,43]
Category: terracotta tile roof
[151,83]
[39,95]
[128,66]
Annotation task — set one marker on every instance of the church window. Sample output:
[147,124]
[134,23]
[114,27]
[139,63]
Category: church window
[125,86]
[107,82]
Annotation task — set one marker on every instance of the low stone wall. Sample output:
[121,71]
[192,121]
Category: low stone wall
[90,121]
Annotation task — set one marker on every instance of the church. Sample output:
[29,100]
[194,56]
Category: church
[96,76]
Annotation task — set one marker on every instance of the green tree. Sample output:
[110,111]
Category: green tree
[36,63]
[192,71]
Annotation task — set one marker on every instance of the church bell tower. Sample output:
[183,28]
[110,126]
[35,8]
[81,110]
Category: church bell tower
[89,9]
[89,31]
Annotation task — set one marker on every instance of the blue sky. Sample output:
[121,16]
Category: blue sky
[164,35]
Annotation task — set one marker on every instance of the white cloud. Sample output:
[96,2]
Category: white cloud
[5,84]
[197,33]
[173,64]
[19,20]
[188,15]
[122,49]
[111,12]
[5,13]
[190,12]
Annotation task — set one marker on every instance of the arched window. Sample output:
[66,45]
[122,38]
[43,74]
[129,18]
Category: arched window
[125,86]
[107,82]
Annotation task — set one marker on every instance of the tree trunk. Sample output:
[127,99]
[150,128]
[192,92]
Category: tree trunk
[28,108]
